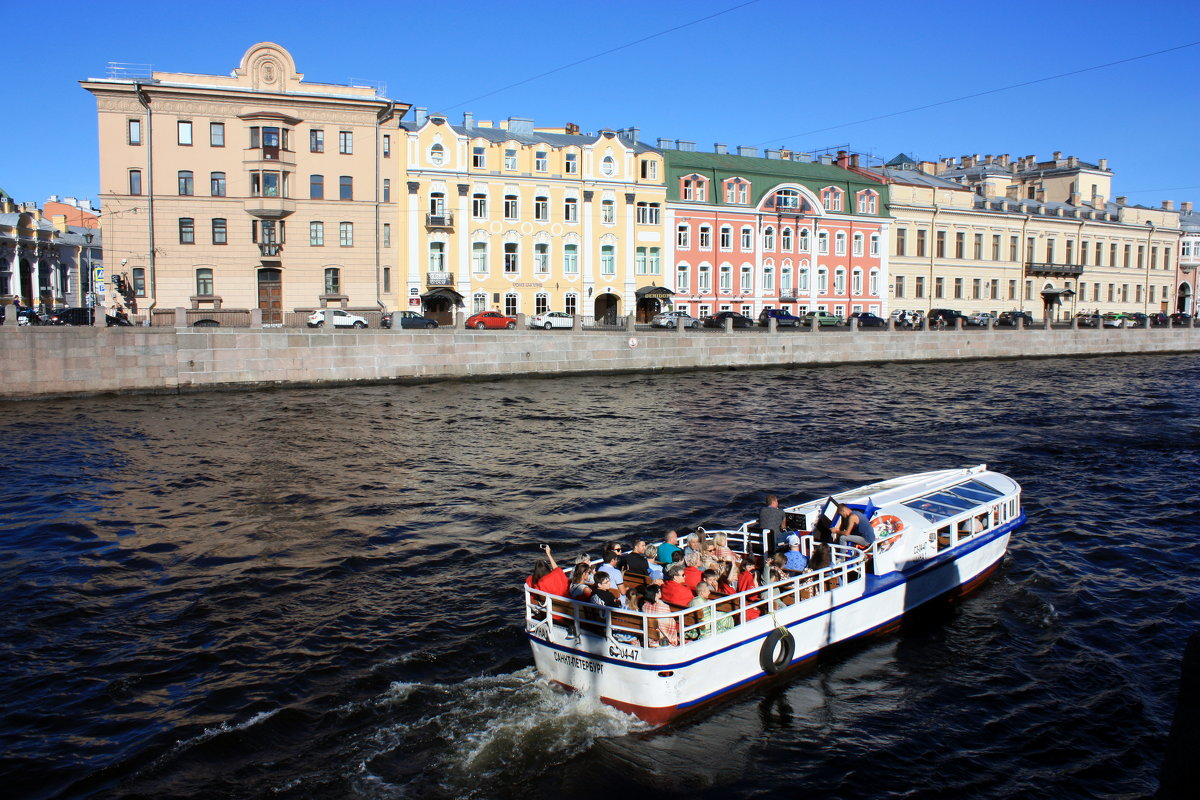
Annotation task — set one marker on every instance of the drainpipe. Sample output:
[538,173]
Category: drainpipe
[1146,288]
[1024,261]
[382,116]
[144,99]
[1082,256]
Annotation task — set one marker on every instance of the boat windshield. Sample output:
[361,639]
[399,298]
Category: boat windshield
[934,512]
[977,491]
[953,500]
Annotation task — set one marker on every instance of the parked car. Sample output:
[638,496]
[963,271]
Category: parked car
[1085,320]
[824,319]
[491,319]
[1180,318]
[947,316]
[1160,319]
[783,318]
[552,319]
[718,320]
[71,316]
[409,319]
[341,319]
[1114,321]
[981,319]
[1136,320]
[1008,319]
[868,320]
[667,319]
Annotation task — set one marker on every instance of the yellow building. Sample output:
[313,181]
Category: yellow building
[520,219]
[251,190]
[985,233]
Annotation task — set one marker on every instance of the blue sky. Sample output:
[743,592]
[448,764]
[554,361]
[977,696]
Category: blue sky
[769,73]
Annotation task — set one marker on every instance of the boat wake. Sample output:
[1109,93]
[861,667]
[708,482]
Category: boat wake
[461,740]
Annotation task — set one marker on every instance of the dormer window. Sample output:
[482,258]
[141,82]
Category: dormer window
[608,166]
[868,202]
[437,155]
[831,198]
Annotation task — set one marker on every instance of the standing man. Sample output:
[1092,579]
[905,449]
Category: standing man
[770,519]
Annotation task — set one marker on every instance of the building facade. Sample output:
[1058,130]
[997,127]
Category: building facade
[782,231]
[255,190]
[984,233]
[519,219]
[1189,259]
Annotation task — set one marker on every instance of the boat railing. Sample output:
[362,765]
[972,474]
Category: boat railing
[694,623]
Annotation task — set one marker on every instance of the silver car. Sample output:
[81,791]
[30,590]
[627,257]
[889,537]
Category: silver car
[668,319]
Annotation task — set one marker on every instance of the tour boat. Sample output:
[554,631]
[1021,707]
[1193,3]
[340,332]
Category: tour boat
[939,535]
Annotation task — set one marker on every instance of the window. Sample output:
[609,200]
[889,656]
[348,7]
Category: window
[479,302]
[705,237]
[726,237]
[216,134]
[541,259]
[572,163]
[608,212]
[139,281]
[479,205]
[184,133]
[785,240]
[510,206]
[958,288]
[135,131]
[346,234]
[900,286]
[185,182]
[768,238]
[839,281]
[511,265]
[941,244]
[437,205]
[681,279]
[479,157]
[541,303]
[346,187]
[867,202]
[204,282]
[831,198]
[687,190]
[541,209]
[939,288]
[187,230]
[510,304]
[683,237]
[768,278]
[1014,247]
[316,141]
[387,190]
[570,259]
[960,245]
[647,261]
[875,244]
[316,234]
[345,142]
[788,198]
[387,234]
[995,247]
[648,213]
[976,289]
[875,283]
[921,235]
[747,281]
[135,181]
[726,278]
[268,184]
[571,209]
[333,280]
[437,256]
[785,281]
[804,244]
[216,183]
[437,155]
[705,278]
[479,258]
[571,304]
[977,249]
[219,232]
[387,146]
[919,289]
[901,241]
[608,166]
[608,260]
[649,169]
[747,240]
[387,279]
[510,159]
[316,187]
[859,240]
[823,242]
[541,162]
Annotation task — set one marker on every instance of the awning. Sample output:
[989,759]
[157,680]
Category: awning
[654,292]
[1053,297]
[443,293]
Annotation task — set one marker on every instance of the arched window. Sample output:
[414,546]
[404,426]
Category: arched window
[785,281]
[204,282]
[541,303]
[768,238]
[510,304]
[479,302]
[479,258]
[858,244]
[856,283]
[831,198]
[437,155]
[822,280]
[874,283]
[802,280]
[785,240]
[768,278]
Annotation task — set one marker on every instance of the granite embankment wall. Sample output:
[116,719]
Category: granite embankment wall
[40,362]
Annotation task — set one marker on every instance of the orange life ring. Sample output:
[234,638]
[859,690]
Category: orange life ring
[887,525]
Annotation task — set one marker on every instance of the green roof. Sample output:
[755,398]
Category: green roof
[764,175]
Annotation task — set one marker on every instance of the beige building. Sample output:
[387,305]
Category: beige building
[985,233]
[253,190]
[505,216]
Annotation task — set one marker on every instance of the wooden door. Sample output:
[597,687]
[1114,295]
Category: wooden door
[270,296]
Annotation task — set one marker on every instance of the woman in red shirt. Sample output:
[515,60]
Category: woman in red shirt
[548,577]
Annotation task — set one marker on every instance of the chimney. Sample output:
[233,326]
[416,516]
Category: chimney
[1121,199]
[772,154]
[854,160]
[60,221]
[977,160]
[803,158]
[419,115]
[1058,155]
[686,146]
[843,159]
[468,119]
[1005,160]
[1168,205]
[1041,194]
[1104,163]
[571,128]
[630,134]
[1098,202]
[1072,161]
[748,151]
[826,159]
[720,148]
[1073,199]
[964,161]
[666,144]
[1185,207]
[991,159]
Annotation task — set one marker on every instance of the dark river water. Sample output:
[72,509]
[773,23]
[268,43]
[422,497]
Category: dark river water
[297,594]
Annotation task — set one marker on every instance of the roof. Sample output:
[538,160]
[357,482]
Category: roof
[913,177]
[499,135]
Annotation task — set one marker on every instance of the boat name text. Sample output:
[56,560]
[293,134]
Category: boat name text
[578,663]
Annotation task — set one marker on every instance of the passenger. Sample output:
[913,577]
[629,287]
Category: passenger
[667,550]
[822,558]
[548,577]
[854,527]
[635,560]
[656,570]
[770,519]
[668,630]
[581,579]
[602,591]
[823,531]
[675,591]
[777,564]
[796,562]
[747,580]
[612,556]
[727,583]
[721,548]
[633,600]
[692,575]
[706,612]
[713,578]
[693,544]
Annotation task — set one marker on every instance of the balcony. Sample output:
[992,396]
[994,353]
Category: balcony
[439,279]
[444,219]
[267,155]
[269,207]
[1052,270]
[270,251]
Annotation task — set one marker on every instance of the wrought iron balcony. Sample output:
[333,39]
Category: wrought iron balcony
[1051,270]
[443,220]
[439,279]
[270,250]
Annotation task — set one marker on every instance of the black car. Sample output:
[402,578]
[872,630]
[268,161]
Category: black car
[1136,320]
[1008,319]
[739,320]
[948,316]
[1179,318]
[409,319]
[868,320]
[783,318]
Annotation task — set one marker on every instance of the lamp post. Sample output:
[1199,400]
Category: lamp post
[87,237]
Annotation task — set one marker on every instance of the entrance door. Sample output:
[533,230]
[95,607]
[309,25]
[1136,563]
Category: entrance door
[606,308]
[647,307]
[270,296]
[26,283]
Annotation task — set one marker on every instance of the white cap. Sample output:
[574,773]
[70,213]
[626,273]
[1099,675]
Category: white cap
[793,540]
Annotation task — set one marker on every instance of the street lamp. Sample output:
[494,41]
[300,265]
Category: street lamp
[87,237]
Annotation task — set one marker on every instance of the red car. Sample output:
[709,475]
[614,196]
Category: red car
[491,319]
